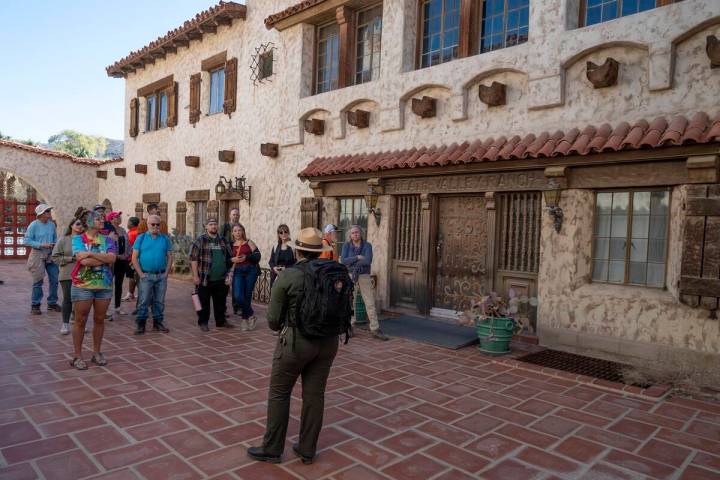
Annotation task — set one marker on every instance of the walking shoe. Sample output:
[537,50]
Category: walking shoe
[35,310]
[140,331]
[204,328]
[379,335]
[54,308]
[305,459]
[99,359]
[160,327]
[118,311]
[257,453]
[252,321]
[109,317]
[226,325]
[243,325]
[65,329]
[128,297]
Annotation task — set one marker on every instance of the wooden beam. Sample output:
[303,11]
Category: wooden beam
[703,206]
[345,18]
[705,287]
[207,28]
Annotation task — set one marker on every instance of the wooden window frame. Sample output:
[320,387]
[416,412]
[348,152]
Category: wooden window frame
[355,44]
[316,63]
[463,31]
[583,11]
[628,233]
[157,125]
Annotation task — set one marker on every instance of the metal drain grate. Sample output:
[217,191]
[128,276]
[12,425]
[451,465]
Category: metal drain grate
[570,362]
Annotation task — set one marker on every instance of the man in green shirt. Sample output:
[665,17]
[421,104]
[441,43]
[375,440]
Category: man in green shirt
[210,261]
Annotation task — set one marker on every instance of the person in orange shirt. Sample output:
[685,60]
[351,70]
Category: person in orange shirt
[152,209]
[329,238]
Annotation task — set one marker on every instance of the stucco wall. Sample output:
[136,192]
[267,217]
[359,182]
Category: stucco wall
[60,182]
[571,302]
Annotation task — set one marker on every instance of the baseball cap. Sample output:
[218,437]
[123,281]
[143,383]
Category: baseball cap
[99,206]
[42,208]
[329,228]
[211,220]
[112,215]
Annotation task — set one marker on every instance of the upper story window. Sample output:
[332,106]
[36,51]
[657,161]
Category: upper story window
[598,11]
[367,51]
[504,24]
[448,32]
[217,90]
[156,112]
[440,31]
[328,58]
[630,237]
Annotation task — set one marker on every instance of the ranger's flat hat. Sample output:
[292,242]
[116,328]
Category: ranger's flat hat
[310,240]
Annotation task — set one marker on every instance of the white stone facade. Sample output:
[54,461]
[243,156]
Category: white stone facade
[664,72]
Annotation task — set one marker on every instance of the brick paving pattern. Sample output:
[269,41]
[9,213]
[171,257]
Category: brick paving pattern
[186,405]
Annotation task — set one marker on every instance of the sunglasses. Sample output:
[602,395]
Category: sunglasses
[154,224]
[283,231]
[77,224]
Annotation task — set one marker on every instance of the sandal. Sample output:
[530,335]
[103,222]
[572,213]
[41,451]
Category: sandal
[99,359]
[78,363]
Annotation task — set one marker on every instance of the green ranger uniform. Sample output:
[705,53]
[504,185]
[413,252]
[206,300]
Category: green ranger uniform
[295,356]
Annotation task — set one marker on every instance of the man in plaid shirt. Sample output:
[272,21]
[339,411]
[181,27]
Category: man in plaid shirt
[210,260]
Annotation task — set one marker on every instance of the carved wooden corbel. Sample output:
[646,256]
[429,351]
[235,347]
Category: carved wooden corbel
[269,149]
[227,156]
[163,165]
[605,75]
[359,118]
[101,174]
[712,48]
[141,168]
[314,126]
[318,189]
[120,171]
[424,107]
[377,184]
[192,161]
[703,169]
[494,95]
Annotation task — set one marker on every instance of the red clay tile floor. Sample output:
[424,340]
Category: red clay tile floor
[186,405]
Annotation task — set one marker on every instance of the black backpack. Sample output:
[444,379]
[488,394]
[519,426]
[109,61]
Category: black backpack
[326,307]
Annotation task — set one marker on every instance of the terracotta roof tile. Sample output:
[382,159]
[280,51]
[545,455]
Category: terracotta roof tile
[56,154]
[225,10]
[642,134]
[271,20]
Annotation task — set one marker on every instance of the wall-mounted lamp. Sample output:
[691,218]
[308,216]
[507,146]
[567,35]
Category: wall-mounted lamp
[225,185]
[552,203]
[371,199]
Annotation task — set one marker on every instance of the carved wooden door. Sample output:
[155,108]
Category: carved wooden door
[460,245]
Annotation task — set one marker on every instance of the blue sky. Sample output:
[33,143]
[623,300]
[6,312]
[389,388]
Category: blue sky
[54,54]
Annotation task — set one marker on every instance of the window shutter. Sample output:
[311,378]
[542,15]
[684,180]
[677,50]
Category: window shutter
[195,80]
[172,99]
[134,103]
[230,100]
[700,269]
[310,212]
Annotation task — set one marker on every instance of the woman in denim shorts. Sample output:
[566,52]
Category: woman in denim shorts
[92,283]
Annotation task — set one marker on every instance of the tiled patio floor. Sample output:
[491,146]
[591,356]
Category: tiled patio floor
[186,405]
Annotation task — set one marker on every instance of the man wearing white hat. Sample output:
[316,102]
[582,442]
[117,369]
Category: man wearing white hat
[41,237]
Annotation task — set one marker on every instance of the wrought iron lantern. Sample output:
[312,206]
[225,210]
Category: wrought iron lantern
[371,199]
[552,204]
[226,185]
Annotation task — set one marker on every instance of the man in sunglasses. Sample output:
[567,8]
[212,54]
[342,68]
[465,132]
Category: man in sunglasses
[152,260]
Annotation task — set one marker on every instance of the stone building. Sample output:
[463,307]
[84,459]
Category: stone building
[567,149]
[31,175]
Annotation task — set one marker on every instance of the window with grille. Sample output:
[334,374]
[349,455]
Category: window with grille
[504,23]
[407,228]
[327,58]
[599,11]
[353,211]
[368,41]
[630,237]
[440,31]
[518,223]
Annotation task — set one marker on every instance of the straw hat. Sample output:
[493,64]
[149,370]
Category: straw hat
[310,240]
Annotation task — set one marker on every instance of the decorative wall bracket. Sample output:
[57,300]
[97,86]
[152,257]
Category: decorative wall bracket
[120,171]
[164,165]
[494,95]
[359,118]
[227,156]
[556,182]
[192,161]
[712,48]
[317,188]
[425,107]
[605,75]
[101,174]
[269,149]
[141,168]
[315,126]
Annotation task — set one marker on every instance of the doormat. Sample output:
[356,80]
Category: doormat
[433,332]
[573,363]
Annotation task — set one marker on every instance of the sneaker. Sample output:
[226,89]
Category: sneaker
[65,329]
[160,327]
[226,325]
[54,308]
[252,321]
[109,317]
[379,335]
[35,310]
[119,312]
[140,331]
[243,325]
[128,297]
[204,328]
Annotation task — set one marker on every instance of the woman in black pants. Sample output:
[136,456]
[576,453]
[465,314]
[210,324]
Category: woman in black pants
[62,255]
[282,255]
[122,260]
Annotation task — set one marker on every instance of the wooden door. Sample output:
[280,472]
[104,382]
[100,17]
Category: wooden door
[228,205]
[407,285]
[460,253]
[16,216]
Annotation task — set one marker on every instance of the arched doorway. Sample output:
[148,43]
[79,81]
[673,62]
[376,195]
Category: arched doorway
[18,200]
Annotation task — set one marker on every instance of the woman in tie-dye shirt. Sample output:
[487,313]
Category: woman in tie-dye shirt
[92,280]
